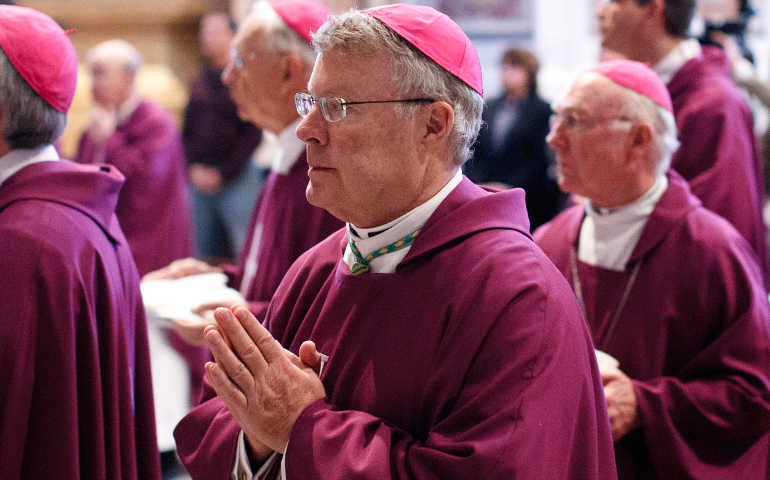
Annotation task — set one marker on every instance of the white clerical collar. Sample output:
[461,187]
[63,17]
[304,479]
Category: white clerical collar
[607,238]
[395,230]
[128,108]
[289,149]
[15,160]
[685,51]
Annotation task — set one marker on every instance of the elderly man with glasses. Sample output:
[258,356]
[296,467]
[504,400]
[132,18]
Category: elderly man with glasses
[430,338]
[270,59]
[669,289]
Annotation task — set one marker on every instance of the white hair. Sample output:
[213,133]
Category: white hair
[414,74]
[116,51]
[279,37]
[641,108]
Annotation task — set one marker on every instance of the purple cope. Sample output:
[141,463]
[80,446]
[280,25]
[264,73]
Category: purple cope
[694,337]
[75,388]
[153,208]
[470,361]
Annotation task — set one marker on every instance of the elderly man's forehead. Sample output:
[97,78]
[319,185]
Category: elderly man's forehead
[114,53]
[346,72]
[592,91]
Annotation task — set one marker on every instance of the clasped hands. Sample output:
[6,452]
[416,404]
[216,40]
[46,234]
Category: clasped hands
[264,386]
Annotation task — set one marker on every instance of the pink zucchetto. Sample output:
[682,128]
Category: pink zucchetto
[638,77]
[40,51]
[435,35]
[302,16]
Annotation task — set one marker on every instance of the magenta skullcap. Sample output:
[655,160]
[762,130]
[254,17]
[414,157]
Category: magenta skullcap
[435,35]
[40,51]
[302,16]
[638,77]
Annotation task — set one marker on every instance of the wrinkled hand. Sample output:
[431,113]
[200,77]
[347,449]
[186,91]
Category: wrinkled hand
[192,331]
[181,268]
[622,405]
[205,178]
[264,387]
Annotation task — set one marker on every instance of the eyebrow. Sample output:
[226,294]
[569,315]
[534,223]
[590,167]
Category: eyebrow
[570,109]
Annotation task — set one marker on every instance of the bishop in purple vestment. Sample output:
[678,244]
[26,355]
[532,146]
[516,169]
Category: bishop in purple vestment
[283,225]
[443,344]
[142,141]
[718,154]
[75,390]
[669,289]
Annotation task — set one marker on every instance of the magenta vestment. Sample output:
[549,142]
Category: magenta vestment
[289,226]
[153,207]
[75,388]
[470,361]
[718,155]
[694,335]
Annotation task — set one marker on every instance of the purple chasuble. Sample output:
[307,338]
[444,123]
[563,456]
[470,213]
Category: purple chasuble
[694,335]
[153,207]
[718,155]
[75,388]
[470,361]
[289,225]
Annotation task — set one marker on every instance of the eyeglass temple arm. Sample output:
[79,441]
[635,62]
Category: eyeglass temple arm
[391,101]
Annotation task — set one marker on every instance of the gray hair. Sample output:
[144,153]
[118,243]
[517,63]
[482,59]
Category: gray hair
[638,107]
[279,37]
[414,74]
[116,51]
[28,120]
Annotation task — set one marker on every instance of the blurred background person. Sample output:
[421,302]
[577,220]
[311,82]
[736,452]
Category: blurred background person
[271,60]
[225,184]
[718,154]
[511,150]
[143,142]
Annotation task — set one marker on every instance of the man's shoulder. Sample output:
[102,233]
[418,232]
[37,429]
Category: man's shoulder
[45,223]
[149,114]
[702,84]
[558,230]
[322,256]
[45,236]
[708,233]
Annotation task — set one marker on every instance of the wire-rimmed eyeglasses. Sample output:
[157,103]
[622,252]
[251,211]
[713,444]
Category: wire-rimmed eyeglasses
[570,120]
[236,58]
[334,109]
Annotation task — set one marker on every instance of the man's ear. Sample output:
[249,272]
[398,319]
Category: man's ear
[438,122]
[641,135]
[655,8]
[292,70]
[641,139]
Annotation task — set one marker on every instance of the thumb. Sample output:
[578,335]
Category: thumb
[309,355]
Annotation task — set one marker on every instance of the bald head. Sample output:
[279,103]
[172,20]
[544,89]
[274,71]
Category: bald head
[113,65]
[116,51]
